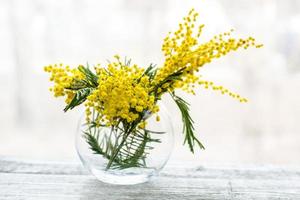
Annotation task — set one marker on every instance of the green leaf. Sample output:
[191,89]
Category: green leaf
[188,123]
[82,88]
[102,148]
[90,77]
[79,98]
[151,71]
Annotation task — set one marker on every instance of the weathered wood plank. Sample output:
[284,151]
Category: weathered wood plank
[64,180]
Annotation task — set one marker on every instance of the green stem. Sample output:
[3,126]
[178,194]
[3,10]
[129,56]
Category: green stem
[117,150]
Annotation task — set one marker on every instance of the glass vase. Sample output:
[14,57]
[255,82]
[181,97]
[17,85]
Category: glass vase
[117,157]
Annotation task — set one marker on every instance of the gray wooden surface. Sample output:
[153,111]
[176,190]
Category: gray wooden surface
[21,179]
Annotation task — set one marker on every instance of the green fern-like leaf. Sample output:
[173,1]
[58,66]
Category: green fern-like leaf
[82,88]
[133,149]
[188,123]
[79,98]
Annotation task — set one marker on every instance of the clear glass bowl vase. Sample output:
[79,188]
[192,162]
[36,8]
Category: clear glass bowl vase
[117,159]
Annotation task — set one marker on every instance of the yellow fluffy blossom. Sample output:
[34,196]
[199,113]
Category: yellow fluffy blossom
[183,53]
[63,76]
[122,92]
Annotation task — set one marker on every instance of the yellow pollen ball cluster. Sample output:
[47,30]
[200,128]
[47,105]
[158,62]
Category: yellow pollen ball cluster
[211,85]
[63,76]
[183,52]
[123,92]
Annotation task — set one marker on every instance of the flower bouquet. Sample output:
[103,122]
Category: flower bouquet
[120,99]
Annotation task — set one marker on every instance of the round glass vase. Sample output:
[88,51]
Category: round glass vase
[116,156]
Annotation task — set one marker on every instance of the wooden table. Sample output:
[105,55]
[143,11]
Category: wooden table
[68,180]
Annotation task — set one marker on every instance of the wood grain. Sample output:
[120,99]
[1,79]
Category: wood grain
[68,180]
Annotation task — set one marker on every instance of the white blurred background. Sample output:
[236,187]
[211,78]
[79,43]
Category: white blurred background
[35,33]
